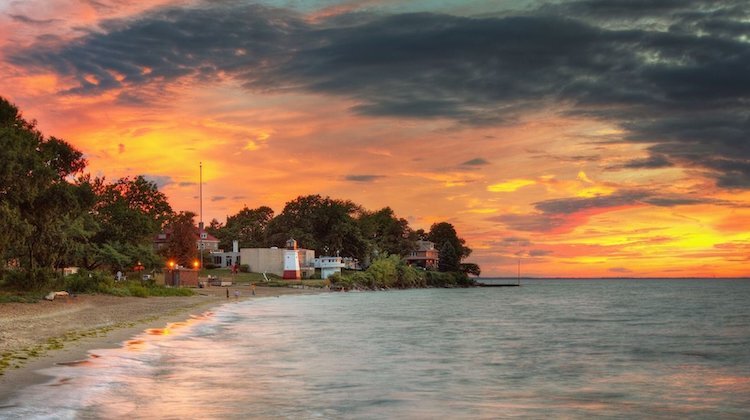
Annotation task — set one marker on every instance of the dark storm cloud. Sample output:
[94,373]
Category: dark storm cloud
[651,162]
[171,43]
[515,241]
[622,9]
[579,204]
[674,75]
[160,180]
[363,178]
[540,252]
[476,162]
[538,222]
[566,213]
[31,21]
[620,199]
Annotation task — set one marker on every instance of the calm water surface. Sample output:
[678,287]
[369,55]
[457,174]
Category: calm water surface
[561,349]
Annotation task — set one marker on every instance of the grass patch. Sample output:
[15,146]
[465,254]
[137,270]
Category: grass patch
[20,297]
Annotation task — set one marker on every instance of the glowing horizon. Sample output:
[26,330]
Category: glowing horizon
[569,134]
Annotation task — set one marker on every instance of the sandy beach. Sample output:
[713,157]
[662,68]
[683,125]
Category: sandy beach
[38,335]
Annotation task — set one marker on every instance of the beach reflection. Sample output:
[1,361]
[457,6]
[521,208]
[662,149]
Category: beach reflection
[134,345]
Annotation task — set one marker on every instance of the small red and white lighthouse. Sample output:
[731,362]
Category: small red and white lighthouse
[291,261]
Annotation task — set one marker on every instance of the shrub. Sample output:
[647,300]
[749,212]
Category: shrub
[337,280]
[362,279]
[158,290]
[449,279]
[383,271]
[87,282]
[26,297]
[438,279]
[245,268]
[409,276]
[137,290]
[35,279]
[463,280]
[112,290]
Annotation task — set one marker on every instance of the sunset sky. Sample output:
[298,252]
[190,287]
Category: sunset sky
[592,138]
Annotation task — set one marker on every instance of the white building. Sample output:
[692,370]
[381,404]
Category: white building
[271,260]
[227,259]
[328,266]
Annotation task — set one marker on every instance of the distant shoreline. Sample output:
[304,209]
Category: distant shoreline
[611,278]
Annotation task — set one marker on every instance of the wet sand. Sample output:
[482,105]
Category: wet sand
[39,335]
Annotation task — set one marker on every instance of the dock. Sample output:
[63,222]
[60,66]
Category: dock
[497,282]
[498,285]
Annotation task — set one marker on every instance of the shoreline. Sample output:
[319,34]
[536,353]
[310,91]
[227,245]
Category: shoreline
[78,328]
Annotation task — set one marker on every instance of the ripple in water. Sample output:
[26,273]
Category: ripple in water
[548,349]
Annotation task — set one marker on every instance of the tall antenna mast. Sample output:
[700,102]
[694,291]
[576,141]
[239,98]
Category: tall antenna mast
[201,193]
[200,225]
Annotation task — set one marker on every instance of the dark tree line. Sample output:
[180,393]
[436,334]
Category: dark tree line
[340,227]
[53,215]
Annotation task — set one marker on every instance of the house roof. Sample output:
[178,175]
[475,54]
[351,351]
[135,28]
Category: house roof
[164,235]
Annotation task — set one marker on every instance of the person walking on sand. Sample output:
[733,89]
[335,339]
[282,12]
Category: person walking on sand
[252,287]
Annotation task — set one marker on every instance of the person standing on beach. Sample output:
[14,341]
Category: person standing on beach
[236,294]
[252,287]
[227,293]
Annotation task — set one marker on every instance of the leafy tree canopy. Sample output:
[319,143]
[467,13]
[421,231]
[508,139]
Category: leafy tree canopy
[50,219]
[128,213]
[181,243]
[248,226]
[324,224]
[449,260]
[443,232]
[39,206]
[387,234]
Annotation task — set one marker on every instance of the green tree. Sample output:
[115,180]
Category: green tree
[40,206]
[449,260]
[215,228]
[323,224]
[443,232]
[127,214]
[470,268]
[248,226]
[386,234]
[181,244]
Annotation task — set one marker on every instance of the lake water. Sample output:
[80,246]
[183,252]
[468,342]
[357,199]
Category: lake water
[560,349]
